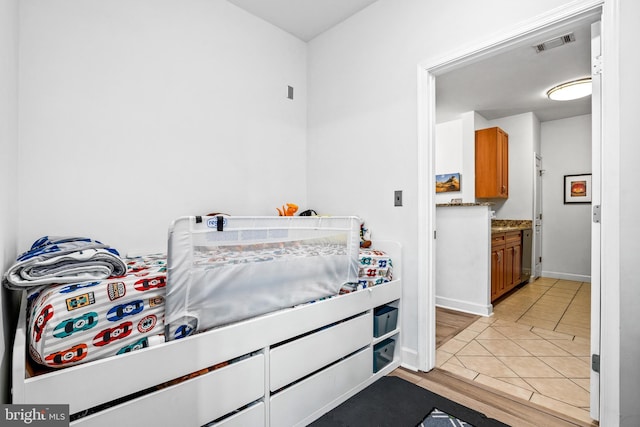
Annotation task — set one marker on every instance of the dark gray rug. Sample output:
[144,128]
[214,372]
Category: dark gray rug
[394,402]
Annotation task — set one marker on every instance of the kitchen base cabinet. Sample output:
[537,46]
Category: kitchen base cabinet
[513,259]
[506,262]
[497,265]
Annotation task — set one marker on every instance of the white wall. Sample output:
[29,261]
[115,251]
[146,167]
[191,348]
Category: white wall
[566,230]
[449,151]
[480,122]
[463,259]
[133,113]
[363,118]
[8,174]
[455,152]
[523,131]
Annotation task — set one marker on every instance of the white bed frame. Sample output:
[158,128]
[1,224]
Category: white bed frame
[302,362]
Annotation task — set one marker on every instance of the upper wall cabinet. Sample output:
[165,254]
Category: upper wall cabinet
[492,163]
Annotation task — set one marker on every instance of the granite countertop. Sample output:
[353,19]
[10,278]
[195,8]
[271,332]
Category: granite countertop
[503,225]
[439,205]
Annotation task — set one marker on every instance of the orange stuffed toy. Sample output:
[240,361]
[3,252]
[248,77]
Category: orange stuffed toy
[290,210]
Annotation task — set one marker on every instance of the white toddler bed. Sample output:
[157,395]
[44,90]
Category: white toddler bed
[285,367]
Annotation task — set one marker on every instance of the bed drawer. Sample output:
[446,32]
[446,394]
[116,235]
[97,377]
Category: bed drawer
[297,403]
[296,359]
[252,416]
[196,402]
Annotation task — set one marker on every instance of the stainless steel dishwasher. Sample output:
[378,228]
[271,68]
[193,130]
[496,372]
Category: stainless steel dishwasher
[527,239]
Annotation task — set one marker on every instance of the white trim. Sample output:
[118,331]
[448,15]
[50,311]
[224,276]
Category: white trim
[566,276]
[409,359]
[577,10]
[517,35]
[464,306]
[426,357]
[610,225]
[596,229]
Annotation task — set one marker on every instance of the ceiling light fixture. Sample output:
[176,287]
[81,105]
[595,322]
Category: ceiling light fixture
[570,90]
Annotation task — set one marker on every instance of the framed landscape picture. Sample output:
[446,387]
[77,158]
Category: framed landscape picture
[577,188]
[447,182]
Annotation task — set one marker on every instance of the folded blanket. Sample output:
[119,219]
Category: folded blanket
[59,260]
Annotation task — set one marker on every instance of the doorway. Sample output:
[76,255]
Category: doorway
[426,356]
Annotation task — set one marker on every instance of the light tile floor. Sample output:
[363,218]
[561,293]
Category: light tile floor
[535,346]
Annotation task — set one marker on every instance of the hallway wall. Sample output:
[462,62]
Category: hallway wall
[566,230]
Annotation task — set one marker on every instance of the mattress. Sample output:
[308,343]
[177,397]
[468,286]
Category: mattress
[80,322]
[374,267]
[226,269]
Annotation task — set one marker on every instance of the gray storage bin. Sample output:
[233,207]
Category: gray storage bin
[383,354]
[385,319]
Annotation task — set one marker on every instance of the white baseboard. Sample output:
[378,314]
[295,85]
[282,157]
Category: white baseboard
[567,276]
[409,359]
[464,306]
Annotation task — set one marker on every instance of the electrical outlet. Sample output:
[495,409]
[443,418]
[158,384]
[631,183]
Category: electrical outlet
[397,198]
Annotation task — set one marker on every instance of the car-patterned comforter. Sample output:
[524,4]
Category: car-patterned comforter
[79,322]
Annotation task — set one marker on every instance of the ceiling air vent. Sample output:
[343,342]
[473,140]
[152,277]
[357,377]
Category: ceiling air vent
[555,42]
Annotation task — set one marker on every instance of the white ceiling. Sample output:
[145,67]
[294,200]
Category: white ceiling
[516,80]
[506,84]
[304,19]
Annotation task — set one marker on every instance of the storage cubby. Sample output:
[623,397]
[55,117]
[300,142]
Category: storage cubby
[385,320]
[385,334]
[383,353]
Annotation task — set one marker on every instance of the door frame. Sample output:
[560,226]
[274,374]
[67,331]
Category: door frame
[609,407]
[537,215]
[596,200]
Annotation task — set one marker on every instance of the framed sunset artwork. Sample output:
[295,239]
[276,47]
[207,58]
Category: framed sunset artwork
[447,182]
[577,188]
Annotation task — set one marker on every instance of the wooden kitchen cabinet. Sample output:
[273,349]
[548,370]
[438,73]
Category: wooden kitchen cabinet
[497,265]
[506,262]
[513,259]
[492,163]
